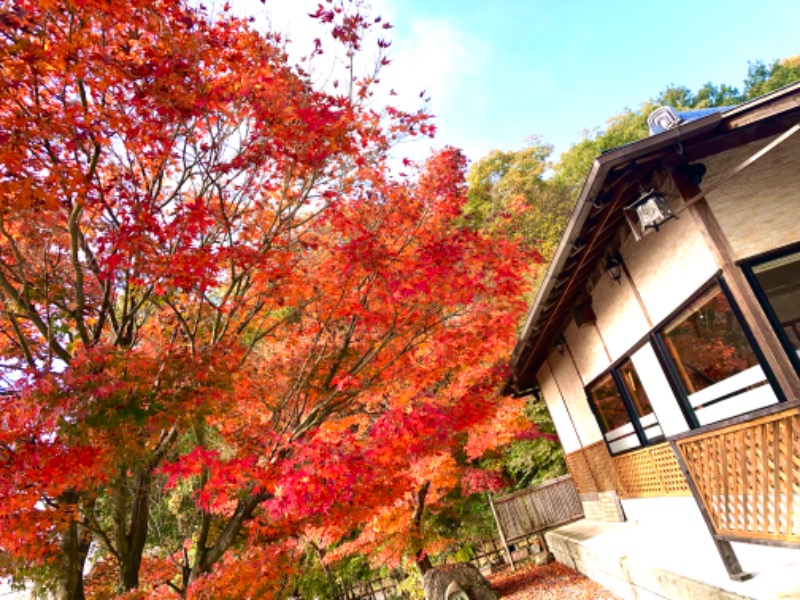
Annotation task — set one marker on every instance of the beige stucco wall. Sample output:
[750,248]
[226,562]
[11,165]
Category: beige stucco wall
[587,350]
[572,389]
[668,266]
[558,411]
[758,209]
[619,317]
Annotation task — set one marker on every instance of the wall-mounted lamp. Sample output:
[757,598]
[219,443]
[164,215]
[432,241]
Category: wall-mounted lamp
[693,173]
[614,268]
[651,212]
[559,344]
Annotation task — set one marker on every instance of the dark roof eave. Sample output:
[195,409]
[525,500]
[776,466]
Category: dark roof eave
[601,167]
[786,99]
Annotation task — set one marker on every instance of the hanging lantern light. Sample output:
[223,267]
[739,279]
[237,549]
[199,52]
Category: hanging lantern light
[651,210]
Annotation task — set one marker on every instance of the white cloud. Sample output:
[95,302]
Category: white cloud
[427,54]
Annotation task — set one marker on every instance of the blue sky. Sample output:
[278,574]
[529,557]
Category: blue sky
[499,71]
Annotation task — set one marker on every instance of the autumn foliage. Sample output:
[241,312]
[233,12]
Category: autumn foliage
[227,329]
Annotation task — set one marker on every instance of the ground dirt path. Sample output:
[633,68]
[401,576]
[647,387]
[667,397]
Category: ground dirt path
[550,582]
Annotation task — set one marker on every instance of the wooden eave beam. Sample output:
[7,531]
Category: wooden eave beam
[740,136]
[563,301]
[788,103]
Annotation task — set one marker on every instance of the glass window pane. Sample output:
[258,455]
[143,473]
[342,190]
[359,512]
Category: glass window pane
[715,361]
[641,402]
[635,389]
[707,343]
[608,402]
[780,282]
[614,418]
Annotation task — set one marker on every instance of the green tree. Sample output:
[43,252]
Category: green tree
[762,78]
[510,191]
[571,170]
[631,125]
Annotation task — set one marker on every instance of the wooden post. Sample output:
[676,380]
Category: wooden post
[501,532]
[724,548]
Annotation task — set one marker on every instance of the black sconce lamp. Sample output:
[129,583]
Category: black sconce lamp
[559,344]
[614,268]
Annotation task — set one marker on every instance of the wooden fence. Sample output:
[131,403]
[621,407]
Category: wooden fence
[520,517]
[530,511]
[383,588]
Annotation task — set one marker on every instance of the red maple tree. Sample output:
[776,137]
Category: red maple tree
[225,325]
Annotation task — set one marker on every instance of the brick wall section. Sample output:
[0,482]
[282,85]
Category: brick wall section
[603,506]
[592,469]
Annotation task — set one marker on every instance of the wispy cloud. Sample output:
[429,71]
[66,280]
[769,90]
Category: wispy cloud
[428,54]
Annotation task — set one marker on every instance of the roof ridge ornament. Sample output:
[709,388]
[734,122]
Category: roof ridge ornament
[663,119]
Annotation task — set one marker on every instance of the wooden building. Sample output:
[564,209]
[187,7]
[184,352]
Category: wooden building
[665,336]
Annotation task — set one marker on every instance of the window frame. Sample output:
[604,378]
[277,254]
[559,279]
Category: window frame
[747,267]
[628,403]
[655,339]
[670,369]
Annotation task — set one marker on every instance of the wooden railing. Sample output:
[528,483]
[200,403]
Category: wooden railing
[747,477]
[383,588]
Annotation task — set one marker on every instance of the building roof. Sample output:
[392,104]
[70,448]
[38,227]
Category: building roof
[613,182]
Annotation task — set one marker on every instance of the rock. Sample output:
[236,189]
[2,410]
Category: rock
[543,558]
[461,581]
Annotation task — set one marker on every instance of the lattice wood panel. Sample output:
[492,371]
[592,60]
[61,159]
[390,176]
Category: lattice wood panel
[650,472]
[671,475]
[748,477]
[592,469]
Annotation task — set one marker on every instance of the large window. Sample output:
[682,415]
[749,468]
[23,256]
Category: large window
[715,361]
[778,283]
[623,409]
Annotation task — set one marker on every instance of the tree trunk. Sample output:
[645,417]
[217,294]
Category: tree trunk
[132,513]
[132,547]
[320,552]
[418,505]
[423,563]
[75,545]
[207,557]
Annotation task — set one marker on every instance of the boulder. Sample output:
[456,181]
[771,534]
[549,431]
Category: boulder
[461,581]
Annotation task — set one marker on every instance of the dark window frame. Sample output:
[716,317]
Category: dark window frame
[655,339]
[627,401]
[670,369]
[747,267]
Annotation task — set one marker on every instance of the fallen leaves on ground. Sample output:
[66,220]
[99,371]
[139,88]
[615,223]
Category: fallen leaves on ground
[553,581]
